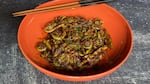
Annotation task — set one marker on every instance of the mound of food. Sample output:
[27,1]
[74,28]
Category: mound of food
[74,42]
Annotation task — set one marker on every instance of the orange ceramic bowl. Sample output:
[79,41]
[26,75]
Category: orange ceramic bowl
[31,31]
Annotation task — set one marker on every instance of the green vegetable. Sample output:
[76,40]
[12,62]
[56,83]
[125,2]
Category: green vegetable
[74,43]
[41,47]
[59,37]
[47,43]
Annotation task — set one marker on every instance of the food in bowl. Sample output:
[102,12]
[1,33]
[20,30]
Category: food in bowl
[74,42]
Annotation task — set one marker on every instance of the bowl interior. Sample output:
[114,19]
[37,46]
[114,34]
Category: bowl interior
[31,32]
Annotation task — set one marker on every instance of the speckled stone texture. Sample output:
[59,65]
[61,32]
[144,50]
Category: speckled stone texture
[14,68]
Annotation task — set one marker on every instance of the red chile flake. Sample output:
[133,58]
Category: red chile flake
[74,43]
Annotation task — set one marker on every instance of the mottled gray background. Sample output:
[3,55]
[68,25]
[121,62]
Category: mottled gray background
[14,68]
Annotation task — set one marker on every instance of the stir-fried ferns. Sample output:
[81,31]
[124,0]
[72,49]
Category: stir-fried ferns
[74,43]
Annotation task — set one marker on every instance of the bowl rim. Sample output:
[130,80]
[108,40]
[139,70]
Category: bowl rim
[79,78]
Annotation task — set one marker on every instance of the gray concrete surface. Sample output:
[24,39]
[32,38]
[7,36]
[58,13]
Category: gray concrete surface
[14,68]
